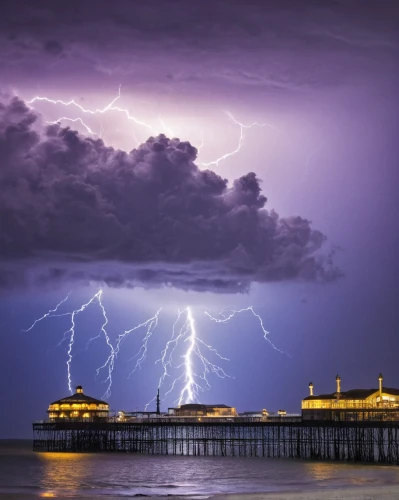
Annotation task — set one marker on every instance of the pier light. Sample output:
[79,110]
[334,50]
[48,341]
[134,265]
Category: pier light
[311,389]
[338,380]
[380,379]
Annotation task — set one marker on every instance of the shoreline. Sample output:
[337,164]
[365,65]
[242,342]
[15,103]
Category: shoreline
[371,492]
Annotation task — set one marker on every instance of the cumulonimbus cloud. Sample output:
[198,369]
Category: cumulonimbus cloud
[73,208]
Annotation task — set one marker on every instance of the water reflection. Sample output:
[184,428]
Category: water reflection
[66,471]
[68,475]
[320,471]
[351,474]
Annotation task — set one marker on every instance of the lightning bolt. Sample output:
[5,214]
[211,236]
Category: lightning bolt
[111,107]
[70,333]
[165,127]
[109,364]
[193,366]
[48,314]
[74,120]
[240,141]
[193,382]
[189,391]
[232,312]
[142,353]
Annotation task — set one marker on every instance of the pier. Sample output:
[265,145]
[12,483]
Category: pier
[368,441]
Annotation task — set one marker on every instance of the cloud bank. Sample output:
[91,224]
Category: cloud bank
[286,45]
[73,208]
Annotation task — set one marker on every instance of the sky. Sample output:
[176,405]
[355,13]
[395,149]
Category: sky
[172,163]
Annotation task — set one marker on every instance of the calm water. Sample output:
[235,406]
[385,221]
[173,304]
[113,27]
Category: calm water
[28,474]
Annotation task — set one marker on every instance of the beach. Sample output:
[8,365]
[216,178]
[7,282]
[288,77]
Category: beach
[356,493]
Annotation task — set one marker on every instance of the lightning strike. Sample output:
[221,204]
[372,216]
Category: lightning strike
[184,336]
[109,364]
[74,120]
[240,141]
[142,353]
[48,314]
[164,127]
[232,312]
[167,361]
[109,107]
[70,333]
[193,382]
[189,390]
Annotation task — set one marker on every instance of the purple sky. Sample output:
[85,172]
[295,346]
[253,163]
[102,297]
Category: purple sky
[319,78]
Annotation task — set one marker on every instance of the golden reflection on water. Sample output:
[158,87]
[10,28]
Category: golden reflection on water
[320,471]
[324,471]
[328,471]
[63,471]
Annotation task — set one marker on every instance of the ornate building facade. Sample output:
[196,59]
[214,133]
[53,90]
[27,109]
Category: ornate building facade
[352,405]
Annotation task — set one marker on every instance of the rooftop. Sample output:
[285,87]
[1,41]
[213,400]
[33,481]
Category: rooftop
[79,397]
[354,394]
[198,406]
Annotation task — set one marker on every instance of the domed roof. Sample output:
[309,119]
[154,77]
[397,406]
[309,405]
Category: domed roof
[79,397]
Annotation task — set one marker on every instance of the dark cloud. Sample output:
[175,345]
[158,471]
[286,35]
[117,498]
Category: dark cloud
[72,208]
[53,47]
[285,44]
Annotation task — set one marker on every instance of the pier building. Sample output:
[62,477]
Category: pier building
[79,423]
[200,410]
[381,403]
[79,406]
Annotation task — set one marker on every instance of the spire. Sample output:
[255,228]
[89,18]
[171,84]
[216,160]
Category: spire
[158,403]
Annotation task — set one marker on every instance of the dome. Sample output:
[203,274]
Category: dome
[78,406]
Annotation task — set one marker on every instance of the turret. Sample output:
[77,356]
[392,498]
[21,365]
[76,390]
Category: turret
[79,389]
[338,380]
[380,379]
[311,388]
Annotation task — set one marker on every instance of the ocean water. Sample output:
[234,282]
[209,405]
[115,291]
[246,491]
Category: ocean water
[25,474]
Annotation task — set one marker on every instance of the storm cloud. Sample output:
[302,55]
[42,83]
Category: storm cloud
[73,208]
[286,44]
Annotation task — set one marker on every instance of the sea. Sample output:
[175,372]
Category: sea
[27,474]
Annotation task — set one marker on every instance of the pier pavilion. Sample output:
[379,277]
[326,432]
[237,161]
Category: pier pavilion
[381,404]
[79,406]
[201,410]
